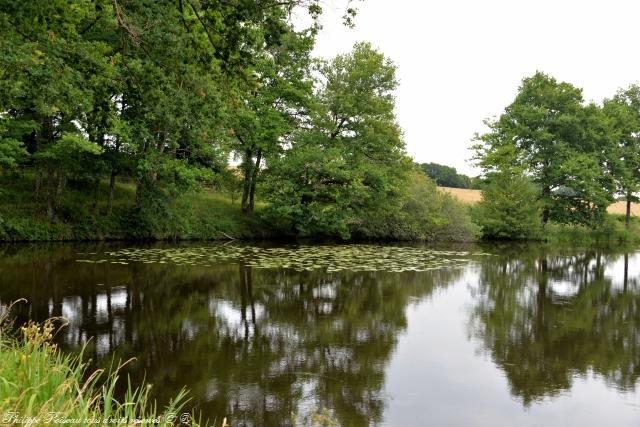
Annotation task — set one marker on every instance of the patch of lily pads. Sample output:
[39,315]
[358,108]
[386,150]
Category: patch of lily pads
[331,258]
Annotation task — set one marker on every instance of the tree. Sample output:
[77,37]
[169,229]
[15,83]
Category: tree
[509,208]
[48,67]
[558,141]
[446,176]
[623,112]
[68,156]
[271,105]
[207,78]
[350,163]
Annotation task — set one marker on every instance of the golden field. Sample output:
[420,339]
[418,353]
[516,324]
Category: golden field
[474,196]
[463,194]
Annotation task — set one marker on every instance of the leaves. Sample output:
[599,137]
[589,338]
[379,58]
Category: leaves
[550,135]
[350,163]
[298,258]
[509,209]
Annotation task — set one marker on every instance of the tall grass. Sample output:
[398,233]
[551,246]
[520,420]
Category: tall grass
[41,386]
[613,230]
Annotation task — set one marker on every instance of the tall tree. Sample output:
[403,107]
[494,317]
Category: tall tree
[560,142]
[349,165]
[200,74]
[270,105]
[623,112]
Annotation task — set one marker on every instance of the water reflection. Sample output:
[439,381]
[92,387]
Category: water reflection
[547,318]
[259,345]
[254,345]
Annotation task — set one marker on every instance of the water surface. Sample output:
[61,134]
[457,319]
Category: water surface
[378,335]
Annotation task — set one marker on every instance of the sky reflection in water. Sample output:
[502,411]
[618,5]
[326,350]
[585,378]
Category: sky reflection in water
[526,336]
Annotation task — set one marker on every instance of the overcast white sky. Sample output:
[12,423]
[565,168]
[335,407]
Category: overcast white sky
[460,61]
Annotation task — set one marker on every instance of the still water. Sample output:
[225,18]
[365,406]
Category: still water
[377,335]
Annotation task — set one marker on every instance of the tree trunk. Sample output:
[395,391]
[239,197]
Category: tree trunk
[246,185]
[62,183]
[139,190]
[52,191]
[254,179]
[546,193]
[627,218]
[96,195]
[38,183]
[112,186]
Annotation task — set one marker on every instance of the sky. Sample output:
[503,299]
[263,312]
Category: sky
[461,61]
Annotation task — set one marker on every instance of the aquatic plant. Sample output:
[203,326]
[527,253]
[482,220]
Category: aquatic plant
[331,258]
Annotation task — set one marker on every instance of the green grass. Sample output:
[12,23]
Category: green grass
[612,231]
[41,386]
[206,215]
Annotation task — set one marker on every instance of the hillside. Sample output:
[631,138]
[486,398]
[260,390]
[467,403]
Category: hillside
[204,214]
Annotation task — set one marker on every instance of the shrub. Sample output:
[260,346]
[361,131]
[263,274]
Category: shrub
[424,214]
[509,208]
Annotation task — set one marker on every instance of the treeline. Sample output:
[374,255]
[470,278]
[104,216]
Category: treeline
[447,176]
[552,157]
[169,95]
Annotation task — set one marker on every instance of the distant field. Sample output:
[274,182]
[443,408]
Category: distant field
[463,194]
[474,196]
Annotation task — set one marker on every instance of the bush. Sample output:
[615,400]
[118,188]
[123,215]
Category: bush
[509,208]
[424,214]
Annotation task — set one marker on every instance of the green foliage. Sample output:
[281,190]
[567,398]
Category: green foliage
[41,383]
[446,176]
[509,208]
[154,88]
[69,152]
[558,141]
[426,214]
[623,114]
[271,105]
[159,95]
[190,215]
[12,151]
[311,191]
[613,229]
[350,166]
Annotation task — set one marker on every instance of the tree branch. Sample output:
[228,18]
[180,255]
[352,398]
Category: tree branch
[204,27]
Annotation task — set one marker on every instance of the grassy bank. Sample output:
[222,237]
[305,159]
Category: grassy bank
[612,231]
[41,386]
[196,215]
[207,214]
[84,214]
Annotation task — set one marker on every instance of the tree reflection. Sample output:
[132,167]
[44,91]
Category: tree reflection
[251,345]
[547,317]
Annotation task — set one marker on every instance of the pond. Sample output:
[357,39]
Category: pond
[392,335]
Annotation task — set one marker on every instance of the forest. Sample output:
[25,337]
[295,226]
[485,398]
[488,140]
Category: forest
[195,119]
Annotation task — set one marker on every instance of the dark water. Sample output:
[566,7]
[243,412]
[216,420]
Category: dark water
[527,336]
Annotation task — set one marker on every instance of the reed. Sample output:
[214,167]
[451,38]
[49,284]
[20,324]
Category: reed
[39,385]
